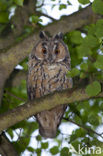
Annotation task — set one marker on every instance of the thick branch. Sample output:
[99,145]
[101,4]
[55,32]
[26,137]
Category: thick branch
[6,148]
[19,20]
[45,103]
[15,78]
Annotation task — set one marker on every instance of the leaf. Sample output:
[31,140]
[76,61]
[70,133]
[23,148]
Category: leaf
[64,151]
[44,145]
[74,72]
[83,75]
[76,37]
[99,62]
[68,2]
[91,29]
[84,1]
[31,149]
[99,28]
[38,138]
[91,41]
[83,50]
[93,89]
[97,6]
[4,17]
[84,66]
[38,151]
[54,150]
[19,2]
[93,119]
[3,5]
[10,132]
[35,19]
[62,6]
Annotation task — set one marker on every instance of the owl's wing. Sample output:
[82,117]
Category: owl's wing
[30,86]
[31,92]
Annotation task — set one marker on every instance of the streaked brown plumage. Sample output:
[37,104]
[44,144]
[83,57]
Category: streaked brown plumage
[48,64]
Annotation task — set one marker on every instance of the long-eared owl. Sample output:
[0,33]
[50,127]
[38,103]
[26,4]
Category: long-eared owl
[48,64]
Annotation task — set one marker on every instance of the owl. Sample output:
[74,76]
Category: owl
[48,65]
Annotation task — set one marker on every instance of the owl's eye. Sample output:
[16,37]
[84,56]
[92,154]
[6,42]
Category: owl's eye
[57,51]
[44,51]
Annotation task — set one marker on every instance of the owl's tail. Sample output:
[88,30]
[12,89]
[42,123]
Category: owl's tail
[50,120]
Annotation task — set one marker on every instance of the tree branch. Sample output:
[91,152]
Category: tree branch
[28,109]
[6,147]
[84,127]
[19,20]
[16,78]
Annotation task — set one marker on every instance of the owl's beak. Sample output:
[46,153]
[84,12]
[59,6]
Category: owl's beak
[50,58]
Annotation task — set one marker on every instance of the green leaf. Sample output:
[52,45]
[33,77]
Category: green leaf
[4,17]
[99,28]
[91,41]
[93,89]
[62,6]
[99,62]
[74,72]
[31,149]
[44,145]
[35,19]
[38,151]
[54,150]
[10,132]
[64,152]
[97,6]
[39,138]
[3,5]
[91,29]
[83,50]
[76,37]
[82,75]
[84,1]
[93,119]
[68,2]
[84,66]
[19,2]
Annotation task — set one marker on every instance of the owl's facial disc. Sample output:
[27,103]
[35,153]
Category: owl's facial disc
[50,51]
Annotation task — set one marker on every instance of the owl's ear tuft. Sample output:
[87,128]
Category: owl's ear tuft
[59,36]
[42,35]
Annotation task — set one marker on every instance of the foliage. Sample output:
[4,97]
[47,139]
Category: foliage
[86,50]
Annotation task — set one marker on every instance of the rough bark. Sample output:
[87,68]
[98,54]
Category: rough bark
[22,112]
[19,20]
[15,78]
[6,147]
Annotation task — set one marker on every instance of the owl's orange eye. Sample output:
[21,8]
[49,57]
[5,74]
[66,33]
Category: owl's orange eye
[44,51]
[57,51]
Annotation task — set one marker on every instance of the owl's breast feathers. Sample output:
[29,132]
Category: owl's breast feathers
[44,79]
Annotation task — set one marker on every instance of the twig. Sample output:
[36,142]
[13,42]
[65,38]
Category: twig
[18,98]
[85,128]
[43,14]
[41,4]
